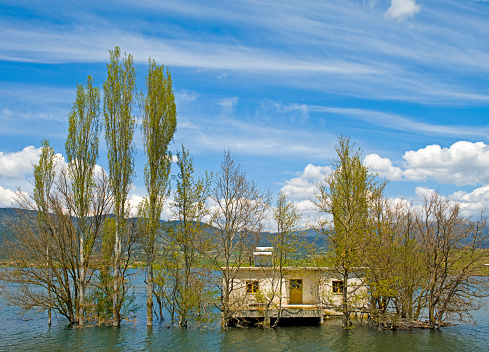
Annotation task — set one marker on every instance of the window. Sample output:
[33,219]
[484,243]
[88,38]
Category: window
[252,286]
[337,286]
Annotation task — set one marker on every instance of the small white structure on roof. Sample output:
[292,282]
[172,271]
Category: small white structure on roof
[263,256]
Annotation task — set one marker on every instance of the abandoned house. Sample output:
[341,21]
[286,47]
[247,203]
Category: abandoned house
[305,294]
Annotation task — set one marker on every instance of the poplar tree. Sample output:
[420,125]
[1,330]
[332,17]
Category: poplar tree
[345,195]
[82,152]
[159,122]
[119,91]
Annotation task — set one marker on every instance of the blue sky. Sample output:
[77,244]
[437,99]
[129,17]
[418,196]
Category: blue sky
[276,82]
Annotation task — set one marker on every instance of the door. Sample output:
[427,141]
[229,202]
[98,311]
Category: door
[295,291]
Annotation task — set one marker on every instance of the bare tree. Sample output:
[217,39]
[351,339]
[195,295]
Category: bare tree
[452,252]
[45,254]
[285,242]
[237,213]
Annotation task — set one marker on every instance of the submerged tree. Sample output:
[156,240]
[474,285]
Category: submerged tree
[190,278]
[82,152]
[119,90]
[45,254]
[394,269]
[158,126]
[237,213]
[346,196]
[452,249]
[285,241]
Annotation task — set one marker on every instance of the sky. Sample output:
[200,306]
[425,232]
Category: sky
[275,82]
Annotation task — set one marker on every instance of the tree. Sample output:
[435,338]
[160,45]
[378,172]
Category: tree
[452,252]
[345,195]
[82,152]
[158,126]
[238,210]
[285,242]
[119,90]
[189,209]
[45,253]
[394,271]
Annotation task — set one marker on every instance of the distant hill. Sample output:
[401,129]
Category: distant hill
[9,216]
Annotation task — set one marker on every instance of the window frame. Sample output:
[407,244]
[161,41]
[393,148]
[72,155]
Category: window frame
[337,287]
[252,286]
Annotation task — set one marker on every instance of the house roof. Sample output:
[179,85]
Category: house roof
[295,268]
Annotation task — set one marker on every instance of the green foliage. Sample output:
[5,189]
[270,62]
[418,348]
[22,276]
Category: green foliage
[286,240]
[82,144]
[159,122]
[119,123]
[347,195]
[44,173]
[183,285]
[119,91]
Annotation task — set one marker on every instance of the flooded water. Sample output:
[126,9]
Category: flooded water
[30,332]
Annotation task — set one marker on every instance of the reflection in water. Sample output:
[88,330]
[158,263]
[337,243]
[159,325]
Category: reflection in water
[31,333]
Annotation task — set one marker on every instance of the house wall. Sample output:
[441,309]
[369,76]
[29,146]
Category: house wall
[357,290]
[317,287]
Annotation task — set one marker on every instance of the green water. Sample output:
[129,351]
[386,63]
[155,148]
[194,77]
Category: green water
[31,333]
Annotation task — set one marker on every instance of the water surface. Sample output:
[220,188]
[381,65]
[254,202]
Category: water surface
[30,332]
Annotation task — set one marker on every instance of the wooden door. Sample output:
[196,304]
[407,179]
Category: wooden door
[295,291]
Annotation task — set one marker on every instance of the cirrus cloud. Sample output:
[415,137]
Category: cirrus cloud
[401,9]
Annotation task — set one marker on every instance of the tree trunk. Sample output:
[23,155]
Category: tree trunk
[115,299]
[149,292]
[81,314]
[346,310]
[225,305]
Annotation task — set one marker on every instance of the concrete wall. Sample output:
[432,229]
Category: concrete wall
[317,287]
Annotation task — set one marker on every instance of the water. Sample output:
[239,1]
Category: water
[30,332]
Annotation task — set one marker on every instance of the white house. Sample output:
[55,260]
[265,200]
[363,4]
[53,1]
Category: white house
[303,292]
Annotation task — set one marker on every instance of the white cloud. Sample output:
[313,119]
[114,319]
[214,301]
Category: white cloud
[185,96]
[19,164]
[7,197]
[463,163]
[228,103]
[471,203]
[134,200]
[302,187]
[403,123]
[401,9]
[294,109]
[383,166]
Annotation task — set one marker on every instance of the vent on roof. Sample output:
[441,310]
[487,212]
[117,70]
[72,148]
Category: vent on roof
[263,256]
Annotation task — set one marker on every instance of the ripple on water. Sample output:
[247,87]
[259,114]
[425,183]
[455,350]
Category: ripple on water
[33,334]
